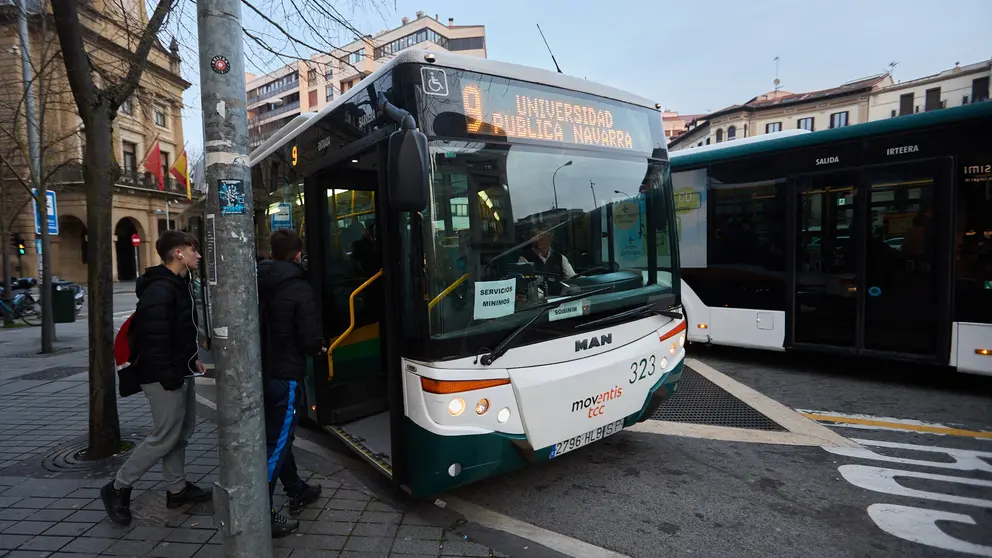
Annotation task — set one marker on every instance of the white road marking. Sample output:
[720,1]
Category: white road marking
[801,430]
[879,479]
[964,460]
[555,541]
[920,526]
[488,518]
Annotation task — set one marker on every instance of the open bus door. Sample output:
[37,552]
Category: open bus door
[356,392]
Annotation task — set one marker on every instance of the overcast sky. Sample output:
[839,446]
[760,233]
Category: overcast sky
[700,56]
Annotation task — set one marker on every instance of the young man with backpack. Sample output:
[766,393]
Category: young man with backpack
[164,362]
[290,332]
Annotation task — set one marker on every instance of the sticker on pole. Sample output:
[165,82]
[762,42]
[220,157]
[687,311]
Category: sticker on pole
[232,196]
[494,299]
[220,64]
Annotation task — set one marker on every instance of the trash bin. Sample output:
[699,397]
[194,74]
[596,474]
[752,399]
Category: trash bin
[63,302]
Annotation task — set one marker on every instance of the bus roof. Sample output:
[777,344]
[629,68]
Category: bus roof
[673,155]
[696,157]
[446,59]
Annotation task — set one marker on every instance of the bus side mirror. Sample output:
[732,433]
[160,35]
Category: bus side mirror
[408,181]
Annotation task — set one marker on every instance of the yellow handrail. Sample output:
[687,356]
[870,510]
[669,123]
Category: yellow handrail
[351,326]
[447,291]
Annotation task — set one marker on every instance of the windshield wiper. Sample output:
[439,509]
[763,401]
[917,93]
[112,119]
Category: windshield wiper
[505,344]
[647,308]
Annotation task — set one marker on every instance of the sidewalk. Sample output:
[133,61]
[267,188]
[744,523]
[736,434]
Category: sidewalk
[49,499]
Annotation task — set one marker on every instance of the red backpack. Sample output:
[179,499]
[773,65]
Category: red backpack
[128,381]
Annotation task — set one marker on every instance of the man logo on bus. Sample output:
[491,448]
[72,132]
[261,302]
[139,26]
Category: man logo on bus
[597,402]
[593,342]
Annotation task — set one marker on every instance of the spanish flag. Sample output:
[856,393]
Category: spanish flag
[180,170]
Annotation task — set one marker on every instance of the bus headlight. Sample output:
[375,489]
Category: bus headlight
[664,363]
[682,340]
[503,415]
[482,406]
[674,349]
[456,406]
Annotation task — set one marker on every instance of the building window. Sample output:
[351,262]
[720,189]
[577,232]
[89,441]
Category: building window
[707,141]
[410,40]
[719,135]
[130,158]
[357,56]
[312,98]
[731,133]
[467,43]
[311,75]
[980,90]
[160,118]
[772,127]
[838,119]
[805,123]
[329,74]
[745,130]
[330,92]
[165,167]
[932,101]
[700,144]
[905,104]
[127,108]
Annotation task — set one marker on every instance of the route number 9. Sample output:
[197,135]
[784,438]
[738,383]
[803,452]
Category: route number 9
[296,156]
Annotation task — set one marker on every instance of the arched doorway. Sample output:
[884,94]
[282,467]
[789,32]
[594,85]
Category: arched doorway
[129,264]
[70,259]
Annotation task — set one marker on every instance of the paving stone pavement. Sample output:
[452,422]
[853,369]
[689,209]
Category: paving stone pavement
[49,498]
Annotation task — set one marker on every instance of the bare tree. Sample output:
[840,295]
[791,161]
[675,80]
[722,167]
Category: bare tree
[28,174]
[97,106]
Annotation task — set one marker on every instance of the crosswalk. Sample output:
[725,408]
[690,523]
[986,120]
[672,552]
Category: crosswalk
[929,483]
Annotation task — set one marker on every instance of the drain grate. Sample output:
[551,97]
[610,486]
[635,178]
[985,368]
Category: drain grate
[65,462]
[56,373]
[59,351]
[700,401]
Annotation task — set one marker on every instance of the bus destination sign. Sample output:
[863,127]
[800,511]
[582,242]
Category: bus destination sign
[518,111]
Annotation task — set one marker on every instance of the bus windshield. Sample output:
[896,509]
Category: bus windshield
[511,228]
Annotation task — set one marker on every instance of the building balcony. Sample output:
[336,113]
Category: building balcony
[260,119]
[259,99]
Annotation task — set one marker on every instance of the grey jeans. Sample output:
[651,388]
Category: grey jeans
[174,415]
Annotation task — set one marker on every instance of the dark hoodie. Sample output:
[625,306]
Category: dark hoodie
[163,332]
[288,313]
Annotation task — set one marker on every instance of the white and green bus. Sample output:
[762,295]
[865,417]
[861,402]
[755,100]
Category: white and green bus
[460,348]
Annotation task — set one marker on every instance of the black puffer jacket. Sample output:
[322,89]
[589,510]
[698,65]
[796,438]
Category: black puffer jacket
[163,331]
[288,312]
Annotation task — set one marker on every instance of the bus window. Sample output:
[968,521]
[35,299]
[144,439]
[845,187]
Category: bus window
[745,240]
[973,247]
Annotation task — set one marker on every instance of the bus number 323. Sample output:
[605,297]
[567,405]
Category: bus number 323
[643,369]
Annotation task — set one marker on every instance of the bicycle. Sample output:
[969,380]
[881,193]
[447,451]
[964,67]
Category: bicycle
[26,308]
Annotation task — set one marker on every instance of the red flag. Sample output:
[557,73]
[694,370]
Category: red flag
[153,162]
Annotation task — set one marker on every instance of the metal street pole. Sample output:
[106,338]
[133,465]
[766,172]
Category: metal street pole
[241,496]
[168,221]
[34,152]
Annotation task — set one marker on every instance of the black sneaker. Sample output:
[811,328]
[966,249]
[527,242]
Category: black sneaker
[191,494]
[283,526]
[117,503]
[299,502]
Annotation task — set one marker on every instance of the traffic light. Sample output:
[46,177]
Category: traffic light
[18,243]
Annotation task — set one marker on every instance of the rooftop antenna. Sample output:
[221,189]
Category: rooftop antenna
[892,67]
[777,82]
[549,47]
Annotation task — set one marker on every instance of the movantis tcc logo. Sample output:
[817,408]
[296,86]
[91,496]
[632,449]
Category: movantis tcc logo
[597,403]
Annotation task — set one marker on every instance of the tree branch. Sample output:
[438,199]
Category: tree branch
[120,93]
[77,62]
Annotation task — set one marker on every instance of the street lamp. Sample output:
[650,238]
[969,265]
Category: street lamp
[622,193]
[555,187]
